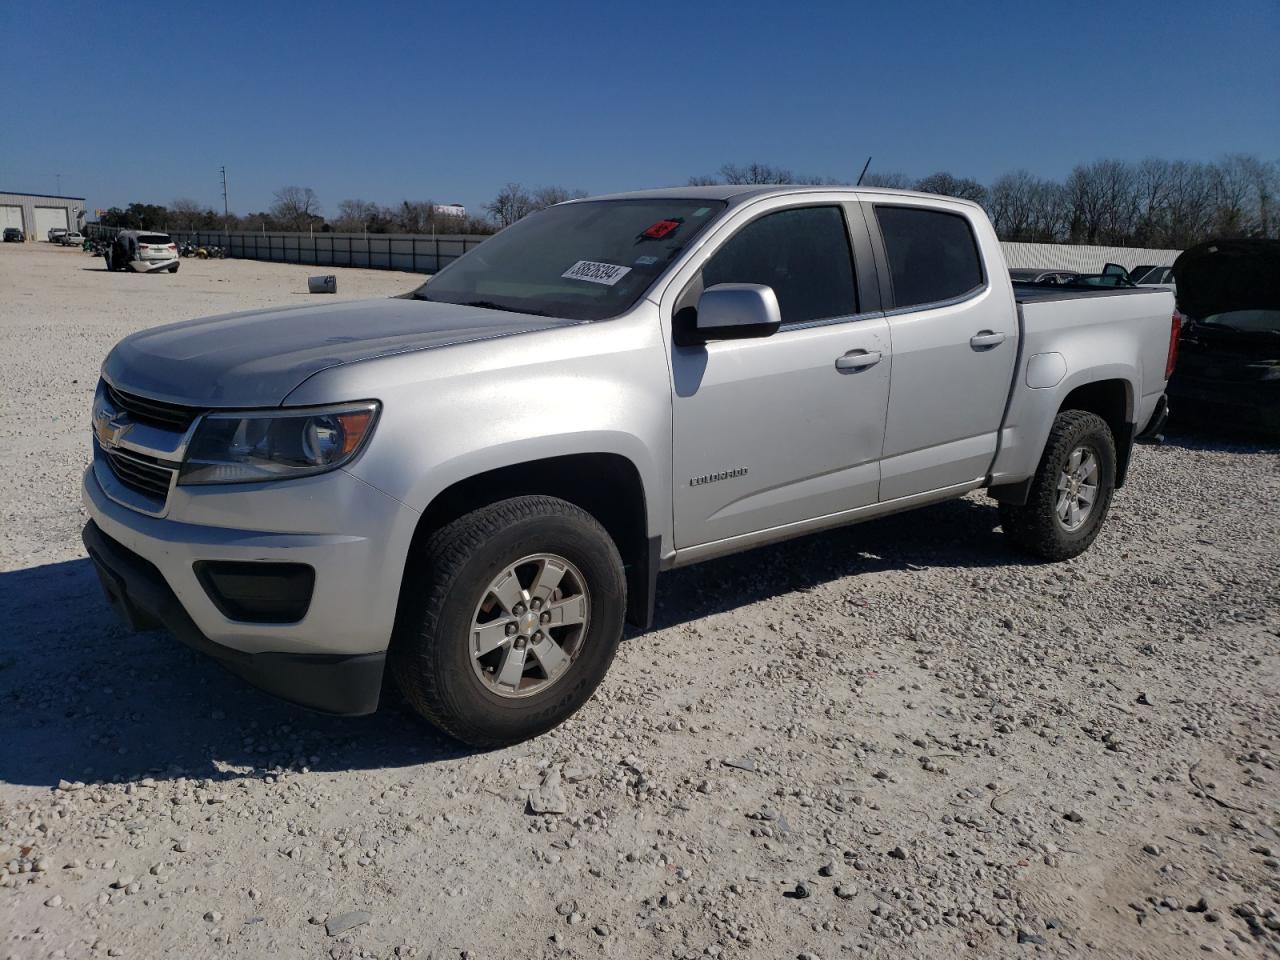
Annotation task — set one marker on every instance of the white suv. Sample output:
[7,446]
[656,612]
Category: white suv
[142,252]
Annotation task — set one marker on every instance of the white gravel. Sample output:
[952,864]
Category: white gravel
[896,740]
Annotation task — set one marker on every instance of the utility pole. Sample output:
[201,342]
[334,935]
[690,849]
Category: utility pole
[226,216]
[58,192]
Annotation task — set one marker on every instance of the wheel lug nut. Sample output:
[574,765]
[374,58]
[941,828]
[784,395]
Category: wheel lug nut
[535,603]
[546,616]
[518,609]
[520,643]
[537,637]
[511,629]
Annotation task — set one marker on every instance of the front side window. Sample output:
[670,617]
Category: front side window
[933,255]
[587,260]
[803,254]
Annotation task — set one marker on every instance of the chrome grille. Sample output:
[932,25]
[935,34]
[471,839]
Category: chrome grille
[157,413]
[140,473]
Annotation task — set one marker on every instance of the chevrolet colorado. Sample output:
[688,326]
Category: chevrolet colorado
[475,485]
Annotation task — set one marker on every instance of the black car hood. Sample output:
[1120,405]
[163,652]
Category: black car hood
[1224,275]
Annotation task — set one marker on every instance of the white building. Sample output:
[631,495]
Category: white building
[36,214]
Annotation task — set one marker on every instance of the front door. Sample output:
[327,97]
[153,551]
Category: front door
[773,431]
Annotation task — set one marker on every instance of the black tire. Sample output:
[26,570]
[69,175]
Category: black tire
[1035,526]
[174,268]
[430,655]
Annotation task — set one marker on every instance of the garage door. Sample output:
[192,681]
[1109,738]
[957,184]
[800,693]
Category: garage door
[10,217]
[47,218]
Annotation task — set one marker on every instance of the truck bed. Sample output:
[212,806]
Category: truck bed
[1044,292]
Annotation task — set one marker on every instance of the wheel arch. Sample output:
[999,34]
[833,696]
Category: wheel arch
[608,486]
[1112,400]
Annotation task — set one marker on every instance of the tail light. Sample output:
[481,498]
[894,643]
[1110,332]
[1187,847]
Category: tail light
[1175,329]
[173,246]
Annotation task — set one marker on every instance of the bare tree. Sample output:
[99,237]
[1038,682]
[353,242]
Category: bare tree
[545,197]
[966,188]
[186,213]
[296,208]
[889,179]
[355,216]
[514,202]
[511,204]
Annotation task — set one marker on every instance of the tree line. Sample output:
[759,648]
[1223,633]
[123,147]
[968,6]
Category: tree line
[1161,203]
[298,209]
[1150,203]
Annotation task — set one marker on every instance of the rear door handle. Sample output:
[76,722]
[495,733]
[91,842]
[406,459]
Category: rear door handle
[986,338]
[858,360]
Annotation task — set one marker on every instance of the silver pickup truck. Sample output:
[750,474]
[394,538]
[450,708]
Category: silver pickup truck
[477,484]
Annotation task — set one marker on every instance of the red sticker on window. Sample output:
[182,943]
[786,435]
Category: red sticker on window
[663,228]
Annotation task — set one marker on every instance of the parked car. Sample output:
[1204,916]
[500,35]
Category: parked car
[1112,275]
[13,235]
[474,485]
[143,252]
[72,238]
[1161,277]
[1228,370]
[55,234]
[1028,275]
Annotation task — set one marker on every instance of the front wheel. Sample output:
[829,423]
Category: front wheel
[510,618]
[1071,492]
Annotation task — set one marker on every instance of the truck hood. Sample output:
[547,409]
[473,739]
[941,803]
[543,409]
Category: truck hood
[259,357]
[1225,275]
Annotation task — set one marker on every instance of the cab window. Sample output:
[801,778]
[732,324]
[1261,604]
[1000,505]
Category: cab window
[802,253]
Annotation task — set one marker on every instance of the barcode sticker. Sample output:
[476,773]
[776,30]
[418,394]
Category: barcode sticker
[592,272]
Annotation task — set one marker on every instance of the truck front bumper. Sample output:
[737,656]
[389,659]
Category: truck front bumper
[328,657]
[330,683]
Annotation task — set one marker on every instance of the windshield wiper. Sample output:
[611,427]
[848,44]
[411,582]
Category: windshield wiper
[484,304]
[491,305]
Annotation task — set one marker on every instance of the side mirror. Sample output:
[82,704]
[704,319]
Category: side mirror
[733,311]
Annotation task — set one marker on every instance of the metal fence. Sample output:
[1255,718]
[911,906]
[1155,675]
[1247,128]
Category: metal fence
[1082,258]
[419,253]
[385,251]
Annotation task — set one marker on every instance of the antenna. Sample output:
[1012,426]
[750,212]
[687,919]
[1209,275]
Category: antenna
[864,172]
[59,188]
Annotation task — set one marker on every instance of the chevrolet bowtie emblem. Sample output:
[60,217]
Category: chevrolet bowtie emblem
[110,426]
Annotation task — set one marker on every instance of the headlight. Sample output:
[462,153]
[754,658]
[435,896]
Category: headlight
[276,444]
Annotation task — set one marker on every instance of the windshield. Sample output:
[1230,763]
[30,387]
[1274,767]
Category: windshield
[586,260]
[1251,321]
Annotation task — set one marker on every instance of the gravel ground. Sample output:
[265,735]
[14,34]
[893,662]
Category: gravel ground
[896,740]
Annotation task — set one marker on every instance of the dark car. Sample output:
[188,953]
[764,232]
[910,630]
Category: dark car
[1046,277]
[1229,361]
[13,235]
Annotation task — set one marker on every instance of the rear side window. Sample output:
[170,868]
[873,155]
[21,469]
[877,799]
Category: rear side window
[933,255]
[802,254]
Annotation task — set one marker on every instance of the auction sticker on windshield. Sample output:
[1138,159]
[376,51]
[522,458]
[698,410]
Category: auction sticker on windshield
[592,272]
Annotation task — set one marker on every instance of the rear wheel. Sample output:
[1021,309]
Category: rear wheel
[174,268]
[1071,492]
[512,615]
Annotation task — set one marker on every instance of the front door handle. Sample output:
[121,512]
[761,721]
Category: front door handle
[858,360]
[986,338]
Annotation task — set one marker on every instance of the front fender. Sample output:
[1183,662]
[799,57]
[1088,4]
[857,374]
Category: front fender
[454,412]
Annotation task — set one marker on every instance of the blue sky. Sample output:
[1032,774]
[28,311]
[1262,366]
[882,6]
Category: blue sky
[386,101]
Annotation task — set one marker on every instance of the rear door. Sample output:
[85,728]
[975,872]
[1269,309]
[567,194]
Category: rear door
[773,431]
[955,343]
